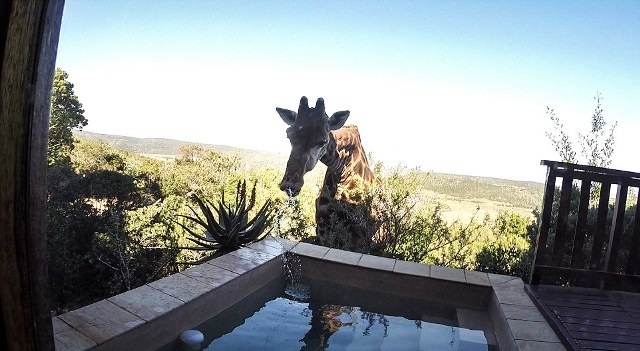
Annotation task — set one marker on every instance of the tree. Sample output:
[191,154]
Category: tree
[190,153]
[561,141]
[597,149]
[66,114]
[108,226]
[596,146]
[510,250]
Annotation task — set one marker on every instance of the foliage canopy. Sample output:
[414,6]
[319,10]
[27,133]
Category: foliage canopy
[596,145]
[66,114]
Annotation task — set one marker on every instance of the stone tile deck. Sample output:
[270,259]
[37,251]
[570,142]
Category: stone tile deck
[101,321]
[151,315]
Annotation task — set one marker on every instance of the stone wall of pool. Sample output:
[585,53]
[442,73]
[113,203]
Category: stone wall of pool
[152,315]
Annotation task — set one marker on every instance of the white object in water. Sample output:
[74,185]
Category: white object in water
[192,339]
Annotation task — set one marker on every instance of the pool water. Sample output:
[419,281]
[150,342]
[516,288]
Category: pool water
[320,315]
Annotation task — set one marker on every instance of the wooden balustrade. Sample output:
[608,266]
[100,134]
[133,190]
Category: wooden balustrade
[586,241]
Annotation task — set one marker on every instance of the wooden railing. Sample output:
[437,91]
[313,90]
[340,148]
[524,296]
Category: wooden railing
[588,243]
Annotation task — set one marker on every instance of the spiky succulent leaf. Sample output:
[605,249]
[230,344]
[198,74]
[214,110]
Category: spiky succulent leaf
[263,211]
[206,211]
[209,245]
[194,219]
[260,223]
[193,233]
[213,227]
[253,232]
[250,234]
[223,214]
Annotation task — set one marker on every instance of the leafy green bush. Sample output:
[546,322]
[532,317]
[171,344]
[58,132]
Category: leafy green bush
[510,249]
[105,231]
[112,221]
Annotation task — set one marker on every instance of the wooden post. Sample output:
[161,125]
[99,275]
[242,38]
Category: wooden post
[600,230]
[560,240]
[617,226]
[29,31]
[633,262]
[577,256]
[545,222]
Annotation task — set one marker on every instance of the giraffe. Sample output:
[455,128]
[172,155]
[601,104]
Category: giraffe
[342,220]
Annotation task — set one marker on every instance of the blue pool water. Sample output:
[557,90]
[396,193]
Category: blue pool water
[334,317]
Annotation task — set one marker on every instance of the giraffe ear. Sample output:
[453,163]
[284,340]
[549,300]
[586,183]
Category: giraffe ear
[336,121]
[288,116]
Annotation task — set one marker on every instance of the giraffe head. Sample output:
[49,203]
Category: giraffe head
[309,133]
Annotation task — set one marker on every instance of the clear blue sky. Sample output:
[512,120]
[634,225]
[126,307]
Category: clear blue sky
[450,86]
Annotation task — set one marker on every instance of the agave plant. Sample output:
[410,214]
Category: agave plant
[232,229]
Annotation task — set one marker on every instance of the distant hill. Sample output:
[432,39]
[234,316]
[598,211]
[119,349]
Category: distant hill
[169,148]
[460,195]
[516,193]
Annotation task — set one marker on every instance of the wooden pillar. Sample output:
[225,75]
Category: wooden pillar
[29,31]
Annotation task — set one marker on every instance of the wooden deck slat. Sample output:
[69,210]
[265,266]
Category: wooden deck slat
[615,338]
[622,316]
[602,323]
[589,307]
[584,301]
[625,297]
[610,325]
[568,291]
[600,345]
[600,329]
[629,306]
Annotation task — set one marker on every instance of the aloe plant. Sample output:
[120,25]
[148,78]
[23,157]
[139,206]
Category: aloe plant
[232,229]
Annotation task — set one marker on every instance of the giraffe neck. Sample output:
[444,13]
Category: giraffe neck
[346,162]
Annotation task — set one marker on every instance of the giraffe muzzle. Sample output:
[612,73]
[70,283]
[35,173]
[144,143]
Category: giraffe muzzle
[291,187]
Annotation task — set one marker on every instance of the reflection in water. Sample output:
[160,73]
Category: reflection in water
[282,323]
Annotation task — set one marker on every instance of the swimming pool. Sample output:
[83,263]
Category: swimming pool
[150,316]
[332,316]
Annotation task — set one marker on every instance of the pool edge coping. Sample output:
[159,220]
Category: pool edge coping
[517,323]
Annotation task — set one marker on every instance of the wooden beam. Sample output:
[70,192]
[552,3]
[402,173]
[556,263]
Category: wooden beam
[577,257]
[29,45]
[620,281]
[633,262]
[561,237]
[617,225]
[591,170]
[601,225]
[545,223]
